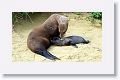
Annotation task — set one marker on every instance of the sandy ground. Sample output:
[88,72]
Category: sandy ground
[78,25]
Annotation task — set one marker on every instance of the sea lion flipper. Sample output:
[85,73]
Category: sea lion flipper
[46,54]
[74,45]
[86,42]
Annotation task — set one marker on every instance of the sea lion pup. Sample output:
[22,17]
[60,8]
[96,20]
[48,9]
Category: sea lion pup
[39,38]
[70,40]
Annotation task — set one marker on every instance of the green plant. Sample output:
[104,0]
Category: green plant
[16,16]
[96,15]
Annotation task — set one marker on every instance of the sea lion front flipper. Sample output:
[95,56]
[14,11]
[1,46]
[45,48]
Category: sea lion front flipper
[74,45]
[46,54]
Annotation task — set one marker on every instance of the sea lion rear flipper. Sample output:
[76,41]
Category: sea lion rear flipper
[46,54]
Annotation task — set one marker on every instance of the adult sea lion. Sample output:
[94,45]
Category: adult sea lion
[39,38]
[70,40]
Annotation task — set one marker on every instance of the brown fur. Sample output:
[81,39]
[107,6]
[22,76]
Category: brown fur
[55,25]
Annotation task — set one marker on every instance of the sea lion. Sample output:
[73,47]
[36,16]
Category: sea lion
[70,40]
[39,38]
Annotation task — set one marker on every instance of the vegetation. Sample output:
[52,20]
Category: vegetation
[93,17]
[96,15]
[78,13]
[17,16]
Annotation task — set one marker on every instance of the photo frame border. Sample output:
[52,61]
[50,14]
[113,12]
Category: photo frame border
[106,66]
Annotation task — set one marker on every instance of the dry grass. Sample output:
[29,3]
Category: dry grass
[78,25]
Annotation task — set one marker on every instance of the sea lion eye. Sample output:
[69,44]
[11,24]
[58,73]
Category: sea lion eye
[50,27]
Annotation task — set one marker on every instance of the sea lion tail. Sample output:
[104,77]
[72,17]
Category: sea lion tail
[46,54]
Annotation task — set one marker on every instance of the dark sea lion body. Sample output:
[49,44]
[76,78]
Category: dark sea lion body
[39,38]
[71,40]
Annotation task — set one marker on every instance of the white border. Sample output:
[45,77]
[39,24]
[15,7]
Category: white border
[106,66]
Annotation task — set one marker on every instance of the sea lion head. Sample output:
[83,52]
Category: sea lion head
[63,25]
